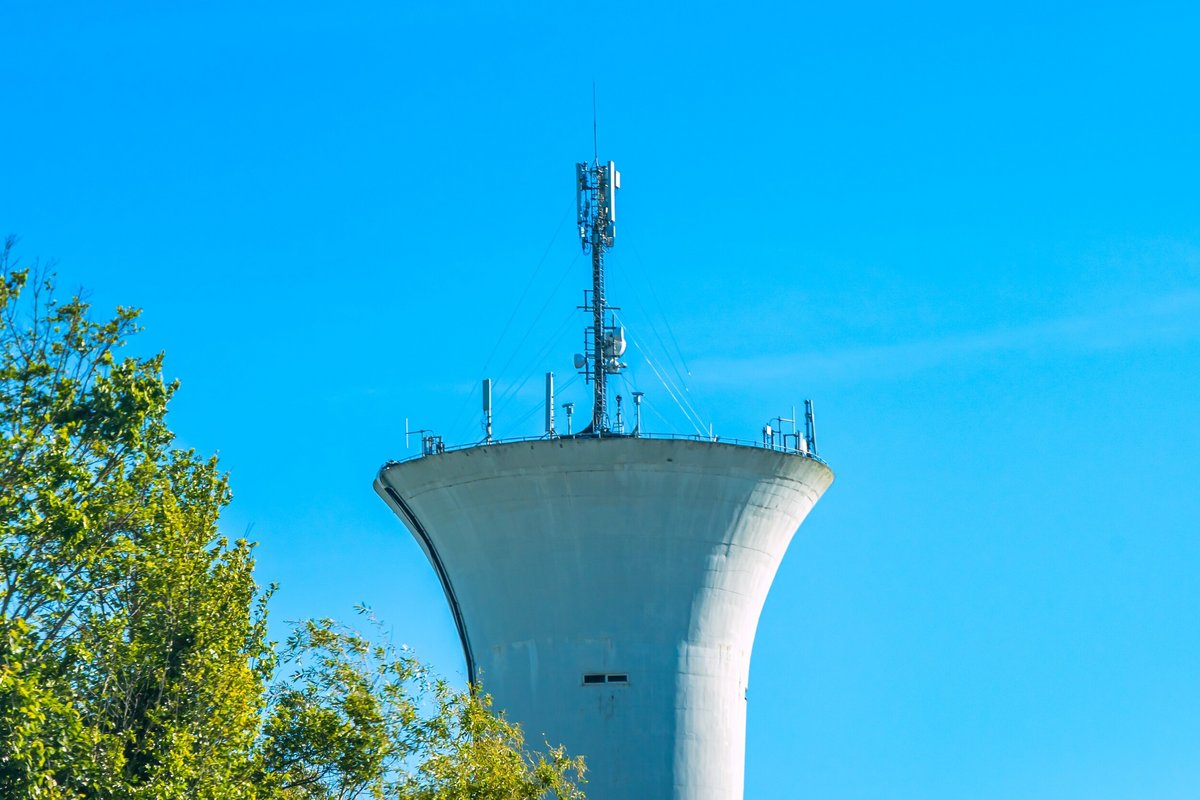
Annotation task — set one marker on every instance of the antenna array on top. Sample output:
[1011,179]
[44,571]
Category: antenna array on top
[596,188]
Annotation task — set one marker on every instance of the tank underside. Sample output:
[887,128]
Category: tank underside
[607,591]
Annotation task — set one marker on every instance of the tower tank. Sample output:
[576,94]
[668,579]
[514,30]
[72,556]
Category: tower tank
[607,586]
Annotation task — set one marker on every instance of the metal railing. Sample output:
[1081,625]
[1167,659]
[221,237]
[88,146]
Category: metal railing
[432,445]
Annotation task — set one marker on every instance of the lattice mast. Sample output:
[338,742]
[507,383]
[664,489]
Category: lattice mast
[596,188]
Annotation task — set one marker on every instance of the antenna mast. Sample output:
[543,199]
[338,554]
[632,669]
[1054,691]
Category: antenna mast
[596,188]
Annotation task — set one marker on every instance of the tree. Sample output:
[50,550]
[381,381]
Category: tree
[134,639]
[356,717]
[134,658]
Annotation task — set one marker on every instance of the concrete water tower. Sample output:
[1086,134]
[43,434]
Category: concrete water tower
[607,585]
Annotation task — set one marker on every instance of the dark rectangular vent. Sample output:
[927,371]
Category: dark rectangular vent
[605,677]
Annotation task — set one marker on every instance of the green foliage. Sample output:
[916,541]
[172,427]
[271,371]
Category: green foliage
[134,658]
[135,644]
[360,718]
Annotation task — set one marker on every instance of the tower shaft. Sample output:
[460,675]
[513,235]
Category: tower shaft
[596,187]
[599,366]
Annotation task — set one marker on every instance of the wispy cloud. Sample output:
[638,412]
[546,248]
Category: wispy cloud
[1164,319]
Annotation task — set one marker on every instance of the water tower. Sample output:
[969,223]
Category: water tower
[607,584]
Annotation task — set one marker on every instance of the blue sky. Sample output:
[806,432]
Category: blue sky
[971,233]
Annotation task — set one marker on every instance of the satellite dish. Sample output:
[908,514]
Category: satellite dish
[579,361]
